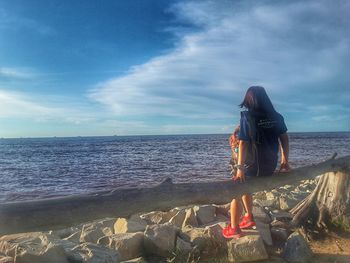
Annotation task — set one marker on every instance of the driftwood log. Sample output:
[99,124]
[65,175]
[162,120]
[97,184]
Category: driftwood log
[329,202]
[62,212]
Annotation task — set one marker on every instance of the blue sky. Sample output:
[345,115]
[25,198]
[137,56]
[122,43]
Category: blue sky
[71,68]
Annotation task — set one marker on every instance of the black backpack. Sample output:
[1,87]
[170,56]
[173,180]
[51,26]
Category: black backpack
[251,159]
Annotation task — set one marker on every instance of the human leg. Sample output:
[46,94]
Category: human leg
[233,229]
[248,218]
[247,200]
[236,211]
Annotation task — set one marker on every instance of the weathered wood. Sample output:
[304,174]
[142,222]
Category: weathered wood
[47,214]
[330,201]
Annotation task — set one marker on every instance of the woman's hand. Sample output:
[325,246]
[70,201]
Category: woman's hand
[285,167]
[240,176]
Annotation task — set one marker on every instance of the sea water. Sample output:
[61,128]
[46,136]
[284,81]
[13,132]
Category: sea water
[35,168]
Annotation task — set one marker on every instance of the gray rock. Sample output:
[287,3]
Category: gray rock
[135,260]
[205,241]
[222,218]
[32,247]
[222,209]
[123,225]
[281,215]
[279,234]
[75,237]
[261,215]
[246,249]
[260,195]
[190,218]
[296,249]
[274,194]
[63,233]
[272,203]
[215,232]
[264,231]
[160,239]
[129,245]
[182,246]
[205,214]
[178,218]
[92,253]
[91,232]
[287,202]
[273,259]
[158,217]
[6,259]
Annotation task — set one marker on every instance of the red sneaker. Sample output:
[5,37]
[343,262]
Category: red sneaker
[247,222]
[229,232]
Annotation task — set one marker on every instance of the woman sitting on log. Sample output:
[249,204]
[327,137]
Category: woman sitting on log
[262,129]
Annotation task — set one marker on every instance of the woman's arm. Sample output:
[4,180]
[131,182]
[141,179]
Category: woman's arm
[284,142]
[241,159]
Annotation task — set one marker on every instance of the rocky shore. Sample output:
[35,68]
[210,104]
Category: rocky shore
[182,234]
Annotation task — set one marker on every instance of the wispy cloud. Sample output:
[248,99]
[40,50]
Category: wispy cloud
[298,50]
[14,22]
[43,109]
[7,73]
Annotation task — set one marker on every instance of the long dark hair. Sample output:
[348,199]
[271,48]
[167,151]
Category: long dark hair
[256,100]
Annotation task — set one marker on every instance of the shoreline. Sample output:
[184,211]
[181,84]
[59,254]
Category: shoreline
[64,211]
[178,234]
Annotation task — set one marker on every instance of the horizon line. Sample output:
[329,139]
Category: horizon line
[145,135]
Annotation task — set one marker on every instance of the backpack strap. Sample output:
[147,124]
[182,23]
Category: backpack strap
[253,150]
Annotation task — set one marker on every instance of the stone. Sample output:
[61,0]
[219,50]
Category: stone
[32,247]
[271,203]
[281,215]
[215,232]
[160,239]
[246,249]
[282,224]
[222,219]
[296,249]
[123,225]
[91,232]
[260,195]
[288,187]
[287,202]
[182,246]
[299,195]
[205,240]
[178,218]
[265,233]
[279,234]
[5,259]
[63,233]
[158,217]
[222,209]
[274,259]
[135,260]
[261,215]
[274,194]
[190,218]
[205,214]
[92,253]
[129,245]
[75,237]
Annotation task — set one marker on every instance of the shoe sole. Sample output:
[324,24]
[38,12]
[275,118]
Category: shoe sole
[234,236]
[248,227]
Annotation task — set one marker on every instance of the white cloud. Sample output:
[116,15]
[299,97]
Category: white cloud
[16,73]
[294,49]
[44,109]
[14,22]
